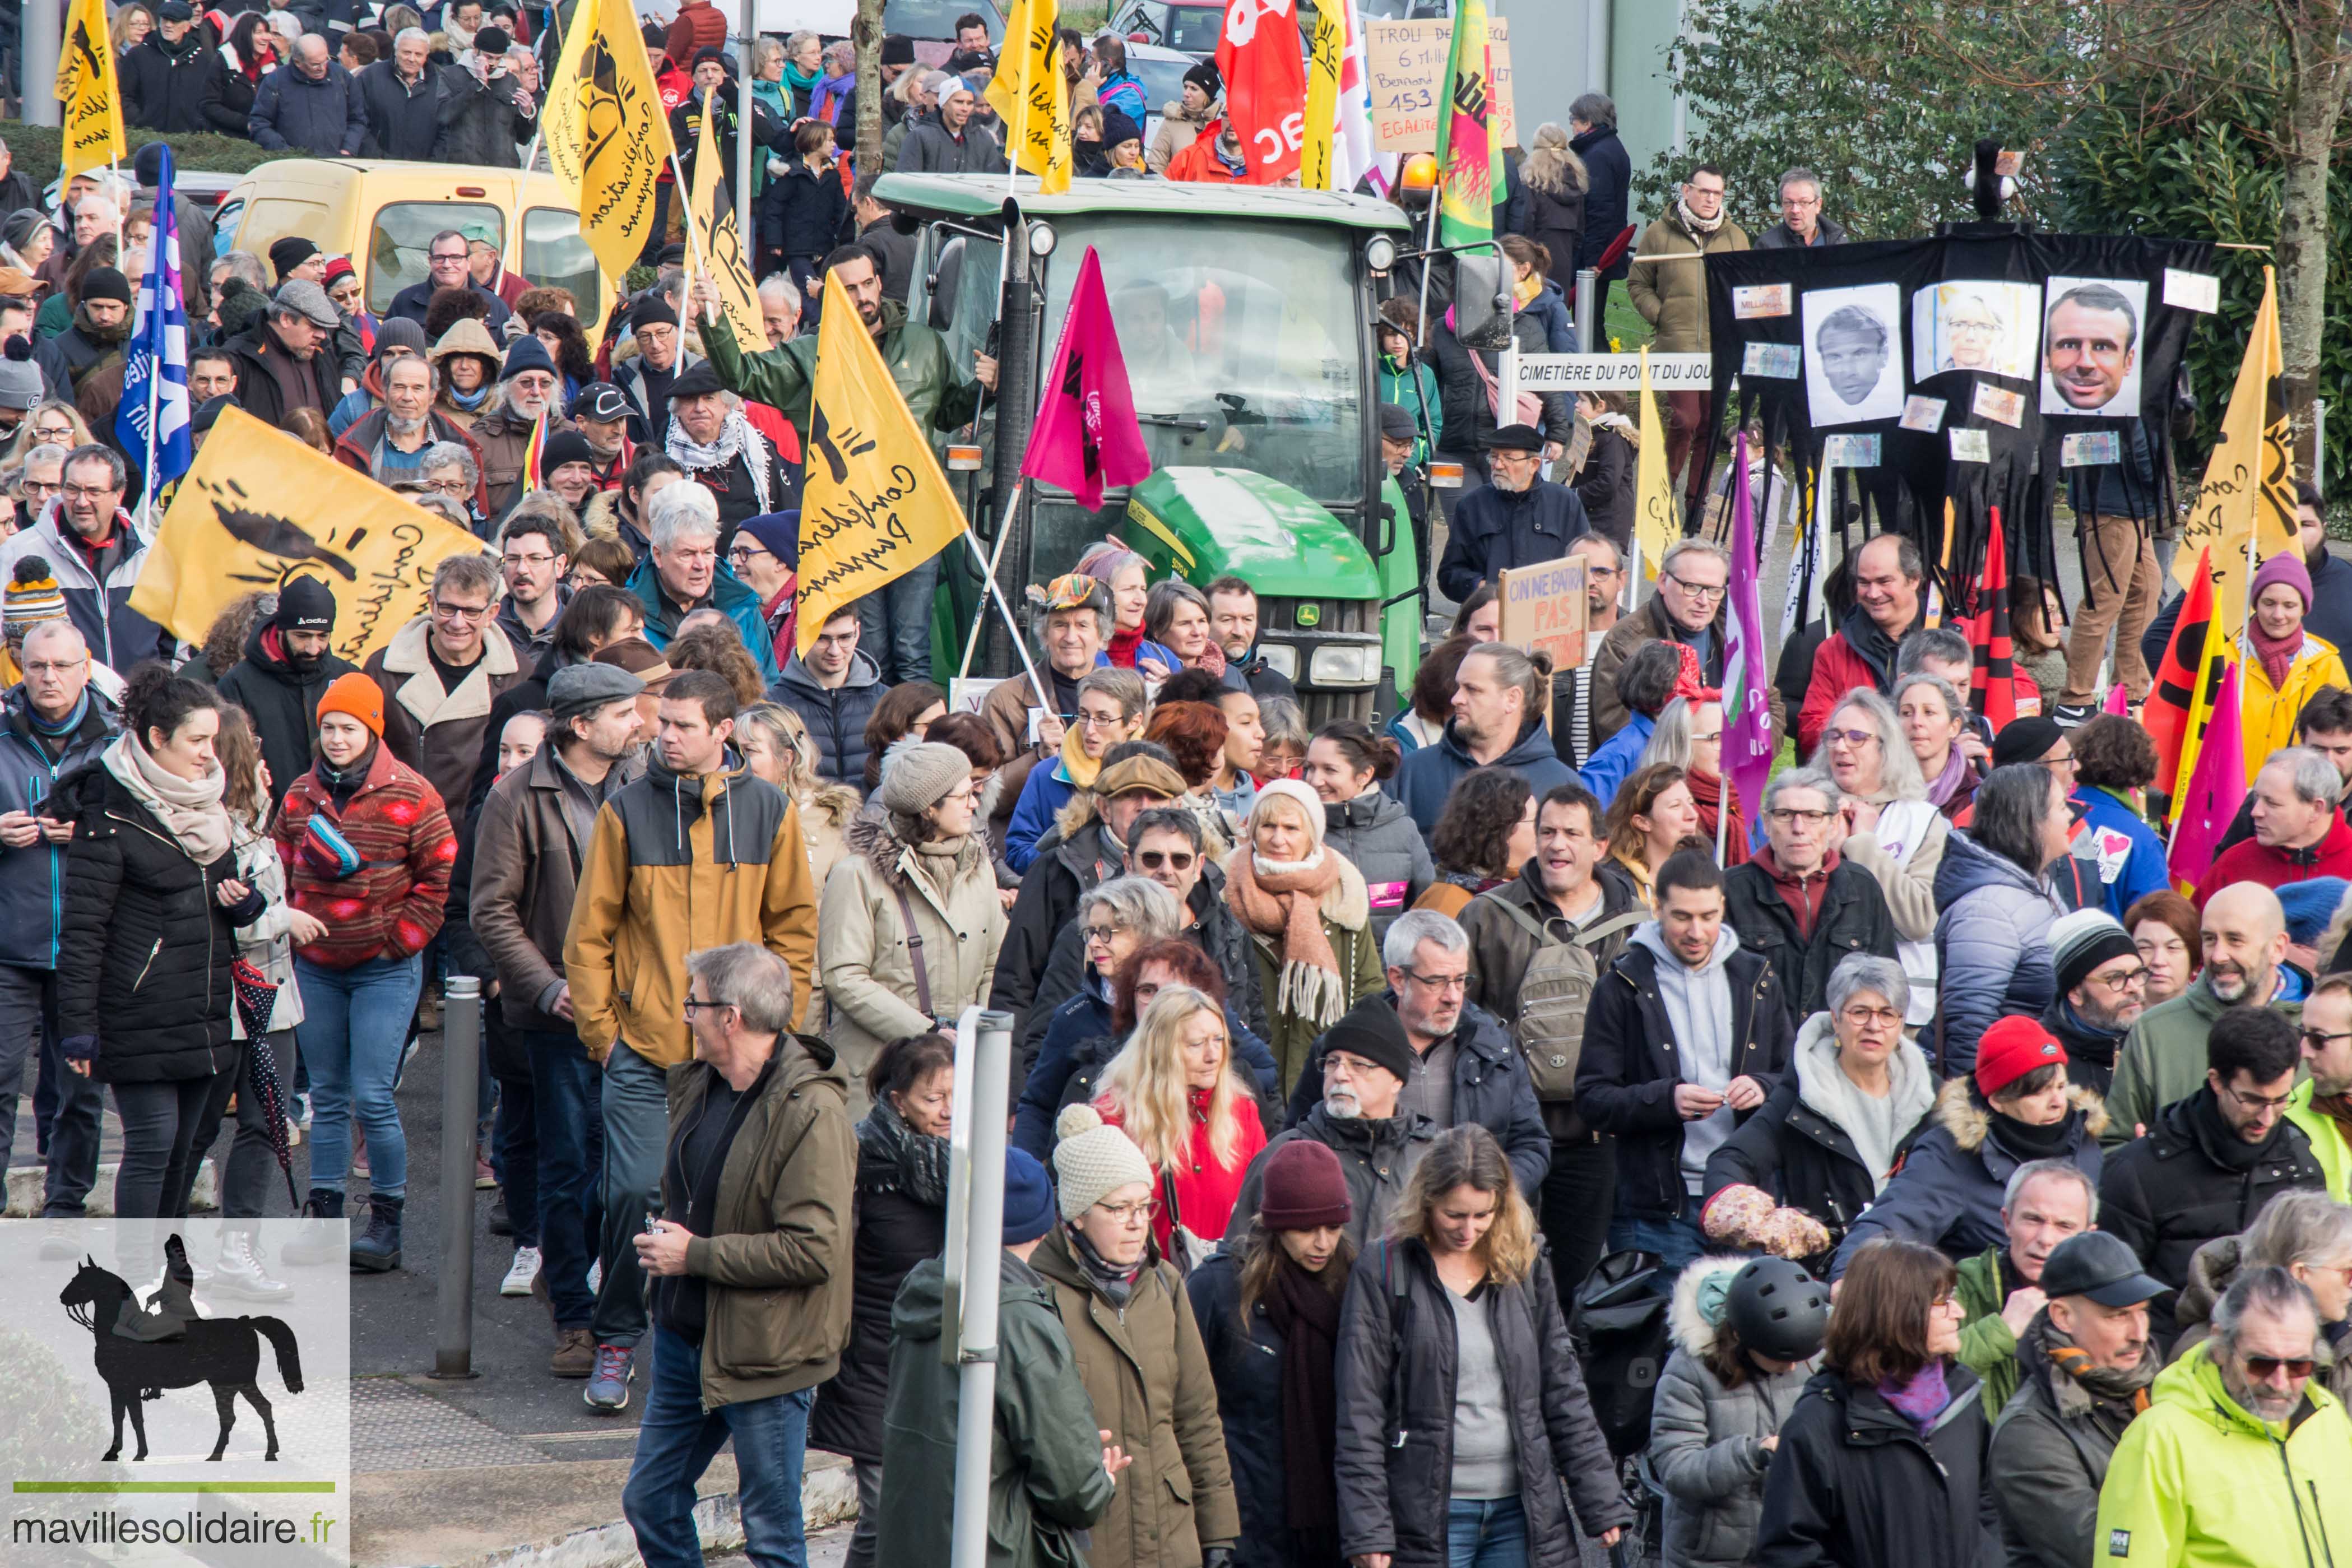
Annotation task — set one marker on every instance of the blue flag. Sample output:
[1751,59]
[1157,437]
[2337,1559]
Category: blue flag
[155,373]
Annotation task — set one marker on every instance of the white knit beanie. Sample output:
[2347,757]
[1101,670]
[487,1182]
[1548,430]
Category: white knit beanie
[1310,805]
[1093,1160]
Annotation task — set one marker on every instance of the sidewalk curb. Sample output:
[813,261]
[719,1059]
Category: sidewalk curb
[828,1496]
[24,1185]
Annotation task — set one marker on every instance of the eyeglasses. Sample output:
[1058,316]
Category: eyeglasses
[451,488]
[2126,978]
[88,492]
[1131,1214]
[1174,859]
[45,667]
[1857,739]
[447,259]
[2256,1102]
[1086,720]
[690,1006]
[1791,819]
[1699,590]
[1886,1016]
[517,558]
[1440,982]
[461,612]
[2261,1368]
[1706,740]
[2058,764]
[2314,1039]
[38,488]
[743,551]
[1092,934]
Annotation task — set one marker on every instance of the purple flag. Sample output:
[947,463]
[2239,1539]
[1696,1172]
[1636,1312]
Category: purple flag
[1746,673]
[1085,436]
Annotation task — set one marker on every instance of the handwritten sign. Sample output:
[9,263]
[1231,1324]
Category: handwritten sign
[1544,608]
[1408,61]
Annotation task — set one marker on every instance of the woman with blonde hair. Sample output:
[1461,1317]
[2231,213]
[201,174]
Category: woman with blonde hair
[1309,917]
[1890,827]
[1179,1093]
[52,423]
[1653,812]
[1462,1408]
[776,747]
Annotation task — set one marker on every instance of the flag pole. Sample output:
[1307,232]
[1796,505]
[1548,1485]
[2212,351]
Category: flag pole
[989,572]
[1011,159]
[972,643]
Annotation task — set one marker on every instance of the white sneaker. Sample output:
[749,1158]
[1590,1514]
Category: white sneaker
[520,1275]
[595,1277]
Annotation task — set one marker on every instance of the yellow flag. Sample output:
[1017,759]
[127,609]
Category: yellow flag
[1029,94]
[722,243]
[605,133]
[2249,486]
[875,503]
[254,513]
[1656,523]
[89,93]
[1322,97]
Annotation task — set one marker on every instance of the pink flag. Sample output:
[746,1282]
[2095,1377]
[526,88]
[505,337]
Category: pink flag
[2216,788]
[1085,436]
[2118,700]
[1747,673]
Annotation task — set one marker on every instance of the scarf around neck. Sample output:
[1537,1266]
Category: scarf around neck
[2277,654]
[2104,1383]
[189,809]
[1696,223]
[1944,785]
[735,438]
[1080,767]
[801,82]
[1115,1281]
[1122,647]
[893,1156]
[1307,1316]
[1283,902]
[1922,1398]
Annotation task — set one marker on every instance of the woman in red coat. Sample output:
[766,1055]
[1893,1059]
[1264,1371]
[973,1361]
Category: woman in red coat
[1179,1095]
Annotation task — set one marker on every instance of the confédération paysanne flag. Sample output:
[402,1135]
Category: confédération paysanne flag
[1658,521]
[2249,485]
[875,504]
[259,508]
[1030,94]
[721,242]
[606,136]
[90,92]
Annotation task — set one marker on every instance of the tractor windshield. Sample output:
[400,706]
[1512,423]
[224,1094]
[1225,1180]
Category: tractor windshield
[1243,341]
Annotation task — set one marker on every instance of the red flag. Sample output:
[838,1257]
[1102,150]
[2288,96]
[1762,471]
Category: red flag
[2216,788]
[1992,685]
[1264,67]
[2164,716]
[1086,435]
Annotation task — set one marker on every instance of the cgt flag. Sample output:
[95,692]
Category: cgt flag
[1747,667]
[1992,671]
[2175,696]
[151,423]
[875,503]
[2248,496]
[221,539]
[1086,435]
[721,244]
[1259,57]
[90,92]
[605,133]
[1032,96]
[1658,521]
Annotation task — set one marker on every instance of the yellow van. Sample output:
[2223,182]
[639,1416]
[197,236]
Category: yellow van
[383,215]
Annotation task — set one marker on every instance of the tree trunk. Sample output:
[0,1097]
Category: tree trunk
[866,32]
[2301,253]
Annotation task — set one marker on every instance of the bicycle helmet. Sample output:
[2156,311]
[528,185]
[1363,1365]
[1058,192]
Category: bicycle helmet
[1778,1310]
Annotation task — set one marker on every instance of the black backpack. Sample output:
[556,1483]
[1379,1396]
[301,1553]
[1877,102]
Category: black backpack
[1619,1328]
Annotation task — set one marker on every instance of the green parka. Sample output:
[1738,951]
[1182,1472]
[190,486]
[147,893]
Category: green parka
[940,398]
[1047,1481]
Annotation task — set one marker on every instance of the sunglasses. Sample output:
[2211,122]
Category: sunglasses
[1174,859]
[2262,1367]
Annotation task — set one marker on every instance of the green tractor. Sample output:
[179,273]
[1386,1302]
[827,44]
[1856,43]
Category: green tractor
[1244,314]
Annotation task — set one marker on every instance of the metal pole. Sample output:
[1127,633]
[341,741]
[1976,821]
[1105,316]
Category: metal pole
[744,151]
[1016,404]
[983,1235]
[1596,45]
[38,44]
[461,1048]
[1588,319]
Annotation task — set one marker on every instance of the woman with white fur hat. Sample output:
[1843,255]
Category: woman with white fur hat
[1309,917]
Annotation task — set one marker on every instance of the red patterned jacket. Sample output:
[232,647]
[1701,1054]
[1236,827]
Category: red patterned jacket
[392,906]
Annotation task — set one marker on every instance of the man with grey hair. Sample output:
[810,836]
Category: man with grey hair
[682,573]
[1463,1067]
[749,1262]
[529,386]
[1802,223]
[2299,833]
[1499,701]
[1077,624]
[1889,580]
[442,670]
[286,359]
[2239,1417]
[1517,518]
[310,106]
[395,441]
[399,93]
[1796,902]
[2044,1203]
[779,309]
[1693,587]
[1609,173]
[708,434]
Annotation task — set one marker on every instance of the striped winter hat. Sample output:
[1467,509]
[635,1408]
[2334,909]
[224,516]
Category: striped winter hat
[31,597]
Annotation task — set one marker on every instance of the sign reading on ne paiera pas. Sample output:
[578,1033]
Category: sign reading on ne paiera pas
[1544,608]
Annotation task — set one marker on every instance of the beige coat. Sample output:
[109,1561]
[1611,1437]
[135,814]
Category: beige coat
[1178,130]
[1148,1375]
[440,734]
[824,819]
[862,953]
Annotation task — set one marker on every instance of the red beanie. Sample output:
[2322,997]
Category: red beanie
[2011,1049]
[1304,1188]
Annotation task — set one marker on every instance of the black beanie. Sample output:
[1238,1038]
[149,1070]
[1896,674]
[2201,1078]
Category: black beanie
[105,283]
[1374,1031]
[304,605]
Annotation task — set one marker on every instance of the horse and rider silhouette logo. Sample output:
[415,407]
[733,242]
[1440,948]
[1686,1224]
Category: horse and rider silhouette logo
[142,1350]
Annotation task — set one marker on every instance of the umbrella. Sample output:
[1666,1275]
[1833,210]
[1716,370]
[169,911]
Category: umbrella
[257,998]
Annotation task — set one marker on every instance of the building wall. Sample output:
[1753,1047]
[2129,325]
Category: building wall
[1552,64]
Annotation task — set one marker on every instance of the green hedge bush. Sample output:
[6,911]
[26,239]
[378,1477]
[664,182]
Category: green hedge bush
[36,150]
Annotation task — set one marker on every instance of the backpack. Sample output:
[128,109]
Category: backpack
[1553,996]
[1619,1328]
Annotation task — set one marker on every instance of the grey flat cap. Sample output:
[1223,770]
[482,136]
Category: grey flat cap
[580,688]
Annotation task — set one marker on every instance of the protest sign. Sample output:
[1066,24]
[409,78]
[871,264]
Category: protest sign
[1408,62]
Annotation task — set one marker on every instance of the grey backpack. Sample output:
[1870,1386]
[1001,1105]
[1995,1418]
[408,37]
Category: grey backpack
[1553,996]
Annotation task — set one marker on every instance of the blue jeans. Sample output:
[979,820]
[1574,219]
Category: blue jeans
[1676,1242]
[895,625]
[354,1024]
[675,1442]
[1488,1534]
[637,1136]
[565,1086]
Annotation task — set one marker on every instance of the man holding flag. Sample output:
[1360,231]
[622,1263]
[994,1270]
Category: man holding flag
[897,619]
[151,421]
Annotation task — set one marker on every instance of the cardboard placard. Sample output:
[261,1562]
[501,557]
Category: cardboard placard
[1407,62]
[1544,607]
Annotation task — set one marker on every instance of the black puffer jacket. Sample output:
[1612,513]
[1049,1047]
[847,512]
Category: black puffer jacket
[1853,917]
[902,1220]
[1048,901]
[1396,1388]
[1606,484]
[2191,1180]
[1377,834]
[282,700]
[836,719]
[1855,1485]
[143,965]
[164,84]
